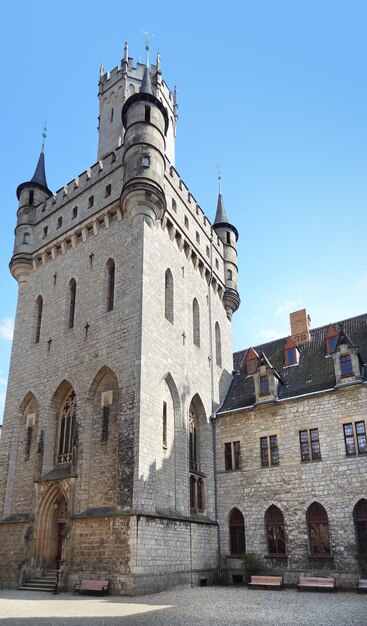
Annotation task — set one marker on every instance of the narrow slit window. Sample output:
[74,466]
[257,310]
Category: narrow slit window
[39,309]
[110,284]
[107,191]
[72,300]
[164,425]
[147,114]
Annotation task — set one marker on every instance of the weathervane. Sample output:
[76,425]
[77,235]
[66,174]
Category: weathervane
[219,168]
[44,135]
[147,35]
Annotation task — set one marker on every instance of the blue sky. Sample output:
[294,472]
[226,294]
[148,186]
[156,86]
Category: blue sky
[274,90]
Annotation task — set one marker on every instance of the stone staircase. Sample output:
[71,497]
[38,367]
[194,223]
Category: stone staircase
[46,582]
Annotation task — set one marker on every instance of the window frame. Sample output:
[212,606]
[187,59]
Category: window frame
[310,448]
[354,437]
[346,365]
[264,385]
[269,451]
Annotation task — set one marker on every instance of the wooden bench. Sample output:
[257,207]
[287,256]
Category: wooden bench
[86,584]
[268,582]
[315,582]
[362,585]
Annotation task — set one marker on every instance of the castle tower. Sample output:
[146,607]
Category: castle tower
[229,236]
[30,195]
[121,355]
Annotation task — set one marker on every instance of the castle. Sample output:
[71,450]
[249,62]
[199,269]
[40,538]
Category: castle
[130,447]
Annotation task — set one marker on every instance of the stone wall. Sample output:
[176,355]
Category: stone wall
[336,481]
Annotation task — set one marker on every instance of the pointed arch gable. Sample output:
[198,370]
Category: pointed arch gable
[174,392]
[104,371]
[29,399]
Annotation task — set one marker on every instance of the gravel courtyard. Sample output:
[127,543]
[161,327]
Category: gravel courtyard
[210,606]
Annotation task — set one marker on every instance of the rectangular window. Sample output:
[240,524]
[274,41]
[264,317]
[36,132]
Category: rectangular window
[346,368]
[350,445]
[361,437]
[232,455]
[310,445]
[228,456]
[90,202]
[75,213]
[264,385]
[237,454]
[105,420]
[186,222]
[147,114]
[197,237]
[45,231]
[107,191]
[59,222]
[355,433]
[164,425]
[291,356]
[269,448]
[31,197]
[145,160]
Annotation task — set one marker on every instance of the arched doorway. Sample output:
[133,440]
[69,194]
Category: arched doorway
[51,528]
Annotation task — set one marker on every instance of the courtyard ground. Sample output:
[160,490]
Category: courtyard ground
[183,606]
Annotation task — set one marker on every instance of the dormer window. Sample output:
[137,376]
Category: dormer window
[291,353]
[251,366]
[251,361]
[346,367]
[264,385]
[291,358]
[331,339]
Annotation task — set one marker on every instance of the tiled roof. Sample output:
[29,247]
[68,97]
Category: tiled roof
[314,372]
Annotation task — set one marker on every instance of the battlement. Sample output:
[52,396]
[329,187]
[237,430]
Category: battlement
[81,183]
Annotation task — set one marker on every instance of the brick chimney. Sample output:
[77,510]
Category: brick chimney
[300,326]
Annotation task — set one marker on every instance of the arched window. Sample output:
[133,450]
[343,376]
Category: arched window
[168,296]
[318,529]
[196,322]
[26,238]
[72,298]
[360,523]
[67,428]
[193,443]
[110,284]
[236,532]
[218,345]
[39,308]
[274,523]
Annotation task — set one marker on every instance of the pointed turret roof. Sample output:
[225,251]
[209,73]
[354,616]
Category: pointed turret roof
[220,216]
[39,177]
[146,85]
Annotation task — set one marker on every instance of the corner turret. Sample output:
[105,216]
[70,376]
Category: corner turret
[30,195]
[228,235]
[145,120]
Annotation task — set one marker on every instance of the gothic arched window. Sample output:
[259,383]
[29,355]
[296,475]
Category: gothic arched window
[318,529]
[196,322]
[67,428]
[168,296]
[360,524]
[274,523]
[218,345]
[236,532]
[110,284]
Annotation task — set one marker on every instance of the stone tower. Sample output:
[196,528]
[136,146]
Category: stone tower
[121,355]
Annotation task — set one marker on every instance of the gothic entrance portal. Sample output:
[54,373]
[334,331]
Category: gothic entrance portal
[51,527]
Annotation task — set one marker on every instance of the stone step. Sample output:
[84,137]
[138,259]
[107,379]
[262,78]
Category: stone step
[35,588]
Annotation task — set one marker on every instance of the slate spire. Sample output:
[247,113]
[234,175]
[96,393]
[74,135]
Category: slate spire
[220,216]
